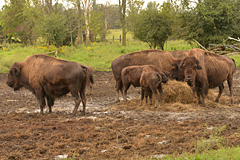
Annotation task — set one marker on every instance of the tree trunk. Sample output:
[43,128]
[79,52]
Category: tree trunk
[87,4]
[105,32]
[79,37]
[87,27]
[122,11]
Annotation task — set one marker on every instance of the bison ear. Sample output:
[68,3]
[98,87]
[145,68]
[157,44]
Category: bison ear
[198,67]
[15,70]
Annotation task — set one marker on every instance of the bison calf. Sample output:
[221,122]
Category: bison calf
[49,77]
[131,76]
[151,82]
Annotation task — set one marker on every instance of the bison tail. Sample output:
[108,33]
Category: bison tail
[235,67]
[160,80]
[90,74]
[91,77]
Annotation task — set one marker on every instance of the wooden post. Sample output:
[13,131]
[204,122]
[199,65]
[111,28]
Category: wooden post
[120,39]
[113,38]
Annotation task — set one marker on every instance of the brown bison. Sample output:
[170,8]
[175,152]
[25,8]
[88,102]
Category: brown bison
[179,54]
[161,59]
[151,82]
[50,77]
[176,73]
[131,76]
[204,70]
[89,84]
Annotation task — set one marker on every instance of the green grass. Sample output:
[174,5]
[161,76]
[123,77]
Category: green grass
[98,55]
[230,153]
[237,59]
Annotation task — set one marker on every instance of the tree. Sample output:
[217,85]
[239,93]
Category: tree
[153,25]
[122,13]
[86,11]
[18,19]
[53,28]
[209,21]
[72,25]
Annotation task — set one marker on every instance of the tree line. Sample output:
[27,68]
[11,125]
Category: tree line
[81,21]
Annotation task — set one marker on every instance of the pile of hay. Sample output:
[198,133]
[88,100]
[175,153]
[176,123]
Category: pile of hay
[175,91]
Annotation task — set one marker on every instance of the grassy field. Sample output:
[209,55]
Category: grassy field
[98,55]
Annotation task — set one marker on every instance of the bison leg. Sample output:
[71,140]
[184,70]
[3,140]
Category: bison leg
[77,100]
[41,99]
[50,102]
[150,97]
[221,87]
[125,88]
[198,90]
[204,92]
[82,94]
[118,87]
[155,92]
[161,92]
[77,103]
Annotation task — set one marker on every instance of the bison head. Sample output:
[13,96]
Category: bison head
[190,65]
[14,76]
[176,72]
[164,78]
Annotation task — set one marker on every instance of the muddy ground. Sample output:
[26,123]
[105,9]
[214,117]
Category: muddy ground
[112,130]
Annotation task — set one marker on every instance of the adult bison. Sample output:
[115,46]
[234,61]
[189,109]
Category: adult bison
[204,70]
[161,59]
[179,53]
[151,82]
[50,77]
[131,76]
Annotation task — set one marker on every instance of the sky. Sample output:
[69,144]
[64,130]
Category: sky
[104,1]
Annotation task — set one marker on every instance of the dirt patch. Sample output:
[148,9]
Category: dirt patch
[113,130]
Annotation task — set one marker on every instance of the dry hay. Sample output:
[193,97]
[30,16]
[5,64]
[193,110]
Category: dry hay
[178,96]
[175,91]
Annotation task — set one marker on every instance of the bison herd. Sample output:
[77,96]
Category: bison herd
[49,78]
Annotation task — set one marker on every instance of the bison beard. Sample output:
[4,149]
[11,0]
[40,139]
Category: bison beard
[49,77]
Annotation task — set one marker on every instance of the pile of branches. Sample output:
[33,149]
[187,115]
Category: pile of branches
[226,49]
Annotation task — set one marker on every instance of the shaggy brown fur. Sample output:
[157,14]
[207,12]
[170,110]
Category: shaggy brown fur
[176,73]
[151,82]
[131,76]
[50,77]
[179,54]
[161,59]
[204,70]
